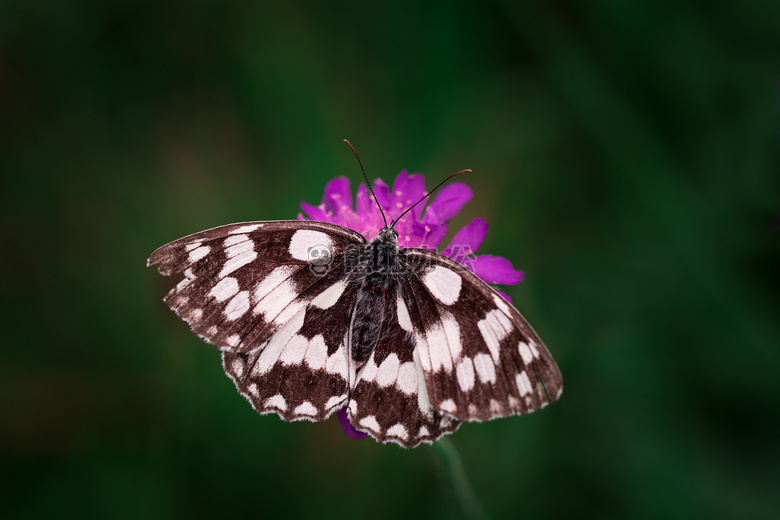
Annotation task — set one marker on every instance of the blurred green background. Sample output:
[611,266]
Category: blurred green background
[625,154]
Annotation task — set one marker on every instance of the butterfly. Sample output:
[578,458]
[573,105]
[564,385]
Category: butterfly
[312,317]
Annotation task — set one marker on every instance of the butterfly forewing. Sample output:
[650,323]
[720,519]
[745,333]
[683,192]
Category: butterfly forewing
[243,282]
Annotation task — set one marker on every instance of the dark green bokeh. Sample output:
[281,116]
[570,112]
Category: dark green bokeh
[625,154]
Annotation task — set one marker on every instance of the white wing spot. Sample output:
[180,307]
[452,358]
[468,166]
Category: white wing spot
[489,337]
[448,406]
[303,239]
[423,432]
[423,401]
[317,353]
[502,304]
[485,368]
[444,284]
[197,254]
[388,371]
[465,372]
[398,430]
[337,401]
[499,322]
[252,388]
[196,314]
[238,367]
[422,346]
[233,341]
[523,384]
[337,364]
[452,332]
[194,245]
[294,351]
[235,239]
[407,378]
[438,348]
[306,408]
[369,370]
[238,260]
[225,288]
[328,298]
[369,422]
[533,349]
[291,310]
[525,352]
[273,349]
[403,315]
[238,306]
[270,282]
[275,301]
[276,401]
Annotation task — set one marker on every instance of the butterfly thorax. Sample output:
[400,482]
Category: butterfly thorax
[378,265]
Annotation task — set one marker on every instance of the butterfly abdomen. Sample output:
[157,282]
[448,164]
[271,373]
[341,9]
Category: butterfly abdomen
[378,261]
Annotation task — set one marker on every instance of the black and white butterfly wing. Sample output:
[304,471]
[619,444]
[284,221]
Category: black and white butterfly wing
[273,296]
[480,357]
[303,372]
[390,400]
[454,350]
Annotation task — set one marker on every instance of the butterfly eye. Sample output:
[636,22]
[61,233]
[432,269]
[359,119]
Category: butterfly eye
[315,253]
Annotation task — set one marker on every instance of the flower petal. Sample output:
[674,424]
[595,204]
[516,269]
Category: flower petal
[467,240]
[347,426]
[338,195]
[496,269]
[447,203]
[315,212]
[382,193]
[363,202]
[505,296]
[407,189]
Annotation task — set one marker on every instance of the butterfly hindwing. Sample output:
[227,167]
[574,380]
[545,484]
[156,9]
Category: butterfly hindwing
[302,372]
[390,399]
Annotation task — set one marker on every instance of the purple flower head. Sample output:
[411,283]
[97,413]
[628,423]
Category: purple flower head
[423,227]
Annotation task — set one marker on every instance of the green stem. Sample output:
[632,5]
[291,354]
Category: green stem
[456,476]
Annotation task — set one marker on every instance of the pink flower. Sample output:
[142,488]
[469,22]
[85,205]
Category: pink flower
[423,227]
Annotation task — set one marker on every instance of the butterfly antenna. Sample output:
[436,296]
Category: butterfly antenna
[367,183]
[428,195]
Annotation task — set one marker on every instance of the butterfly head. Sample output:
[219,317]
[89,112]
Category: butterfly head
[388,234]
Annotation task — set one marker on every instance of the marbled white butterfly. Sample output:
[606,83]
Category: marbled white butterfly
[312,317]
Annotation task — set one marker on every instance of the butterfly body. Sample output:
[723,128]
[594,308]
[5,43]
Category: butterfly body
[378,265]
[311,317]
